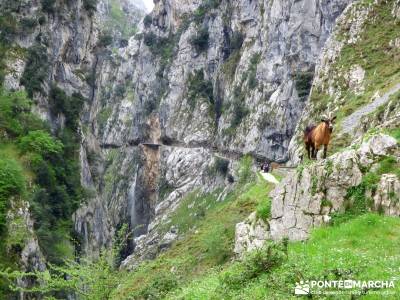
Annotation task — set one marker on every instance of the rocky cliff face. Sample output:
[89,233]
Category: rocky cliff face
[48,45]
[63,36]
[201,81]
[43,44]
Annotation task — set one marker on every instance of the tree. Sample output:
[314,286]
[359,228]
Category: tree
[40,142]
[92,280]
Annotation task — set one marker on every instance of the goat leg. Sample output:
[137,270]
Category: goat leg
[313,152]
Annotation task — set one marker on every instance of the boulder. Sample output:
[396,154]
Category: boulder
[250,234]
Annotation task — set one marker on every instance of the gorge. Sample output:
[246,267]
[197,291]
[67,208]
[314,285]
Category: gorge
[153,125]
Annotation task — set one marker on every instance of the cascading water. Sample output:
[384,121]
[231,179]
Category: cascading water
[132,200]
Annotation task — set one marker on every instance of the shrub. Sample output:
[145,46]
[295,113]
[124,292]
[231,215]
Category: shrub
[54,162]
[326,203]
[304,83]
[199,88]
[40,142]
[240,111]
[231,64]
[252,71]
[11,179]
[103,117]
[28,25]
[90,5]
[387,165]
[199,14]
[147,21]
[70,106]
[150,40]
[105,39]
[200,40]
[36,69]
[256,263]
[245,172]
[58,195]
[263,210]
[164,187]
[42,20]
[201,11]
[158,287]
[15,114]
[314,185]
[12,183]
[120,90]
[357,203]
[221,166]
[48,6]
[160,46]
[90,79]
[9,28]
[236,41]
[216,243]
[45,175]
[93,280]
[150,106]
[396,134]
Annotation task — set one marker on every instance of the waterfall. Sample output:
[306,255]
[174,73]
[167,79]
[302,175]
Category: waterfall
[132,199]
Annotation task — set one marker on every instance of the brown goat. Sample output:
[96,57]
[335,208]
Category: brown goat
[316,136]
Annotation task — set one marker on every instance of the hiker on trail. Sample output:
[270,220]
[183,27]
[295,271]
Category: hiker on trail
[265,167]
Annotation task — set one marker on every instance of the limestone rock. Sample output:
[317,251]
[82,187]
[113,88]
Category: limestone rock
[250,234]
[356,78]
[20,228]
[378,145]
[387,196]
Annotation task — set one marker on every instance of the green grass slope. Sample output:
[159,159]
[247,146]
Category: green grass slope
[208,229]
[365,248]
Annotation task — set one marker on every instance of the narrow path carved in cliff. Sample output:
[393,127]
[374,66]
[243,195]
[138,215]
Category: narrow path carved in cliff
[352,121]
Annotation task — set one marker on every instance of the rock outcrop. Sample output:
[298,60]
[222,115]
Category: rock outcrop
[387,195]
[23,241]
[311,195]
[250,235]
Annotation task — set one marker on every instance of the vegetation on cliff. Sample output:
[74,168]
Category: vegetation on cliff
[38,167]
